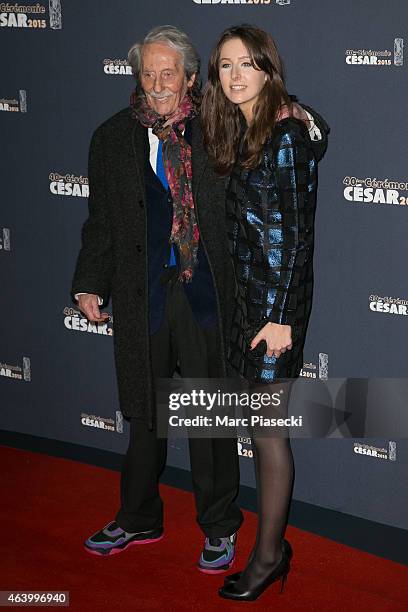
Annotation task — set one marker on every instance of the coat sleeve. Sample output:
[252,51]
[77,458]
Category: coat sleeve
[94,264]
[294,165]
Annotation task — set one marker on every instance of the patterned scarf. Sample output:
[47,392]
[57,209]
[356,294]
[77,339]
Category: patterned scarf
[178,168]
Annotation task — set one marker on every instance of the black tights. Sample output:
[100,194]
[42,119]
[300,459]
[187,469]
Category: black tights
[274,480]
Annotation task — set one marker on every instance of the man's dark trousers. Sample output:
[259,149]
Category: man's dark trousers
[214,462]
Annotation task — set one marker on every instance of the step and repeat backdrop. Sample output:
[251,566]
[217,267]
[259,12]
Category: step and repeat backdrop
[64,71]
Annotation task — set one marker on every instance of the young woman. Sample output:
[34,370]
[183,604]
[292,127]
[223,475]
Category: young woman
[251,136]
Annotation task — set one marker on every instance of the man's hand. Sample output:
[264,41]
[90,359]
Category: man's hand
[278,338]
[297,111]
[88,304]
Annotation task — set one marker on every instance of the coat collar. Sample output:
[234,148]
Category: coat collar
[140,143]
[199,158]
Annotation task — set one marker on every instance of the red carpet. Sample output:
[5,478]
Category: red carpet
[49,505]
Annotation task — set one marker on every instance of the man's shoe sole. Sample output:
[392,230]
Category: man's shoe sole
[115,551]
[220,570]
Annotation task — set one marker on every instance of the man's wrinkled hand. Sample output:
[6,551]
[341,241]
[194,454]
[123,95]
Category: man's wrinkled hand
[297,111]
[88,305]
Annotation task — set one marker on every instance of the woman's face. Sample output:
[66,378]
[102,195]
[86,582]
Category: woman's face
[240,82]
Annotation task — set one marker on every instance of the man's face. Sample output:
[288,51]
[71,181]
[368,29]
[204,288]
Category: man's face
[163,78]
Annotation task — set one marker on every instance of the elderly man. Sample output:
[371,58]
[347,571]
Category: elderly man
[155,242]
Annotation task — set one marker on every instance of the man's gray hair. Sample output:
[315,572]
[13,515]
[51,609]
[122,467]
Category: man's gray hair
[174,38]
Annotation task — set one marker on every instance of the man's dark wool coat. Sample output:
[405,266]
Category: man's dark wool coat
[112,262]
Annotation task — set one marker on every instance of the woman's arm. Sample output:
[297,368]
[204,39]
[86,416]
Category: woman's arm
[294,167]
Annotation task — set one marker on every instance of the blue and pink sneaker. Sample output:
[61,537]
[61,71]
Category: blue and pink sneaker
[218,555]
[112,539]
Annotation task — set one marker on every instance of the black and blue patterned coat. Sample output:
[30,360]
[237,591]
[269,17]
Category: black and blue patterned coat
[270,223]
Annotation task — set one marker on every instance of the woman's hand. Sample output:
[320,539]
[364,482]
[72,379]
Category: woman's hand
[278,338]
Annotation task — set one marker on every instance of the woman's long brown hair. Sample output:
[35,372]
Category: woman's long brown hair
[222,119]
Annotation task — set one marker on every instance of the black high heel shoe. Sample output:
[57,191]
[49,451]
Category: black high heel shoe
[233,591]
[286,548]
